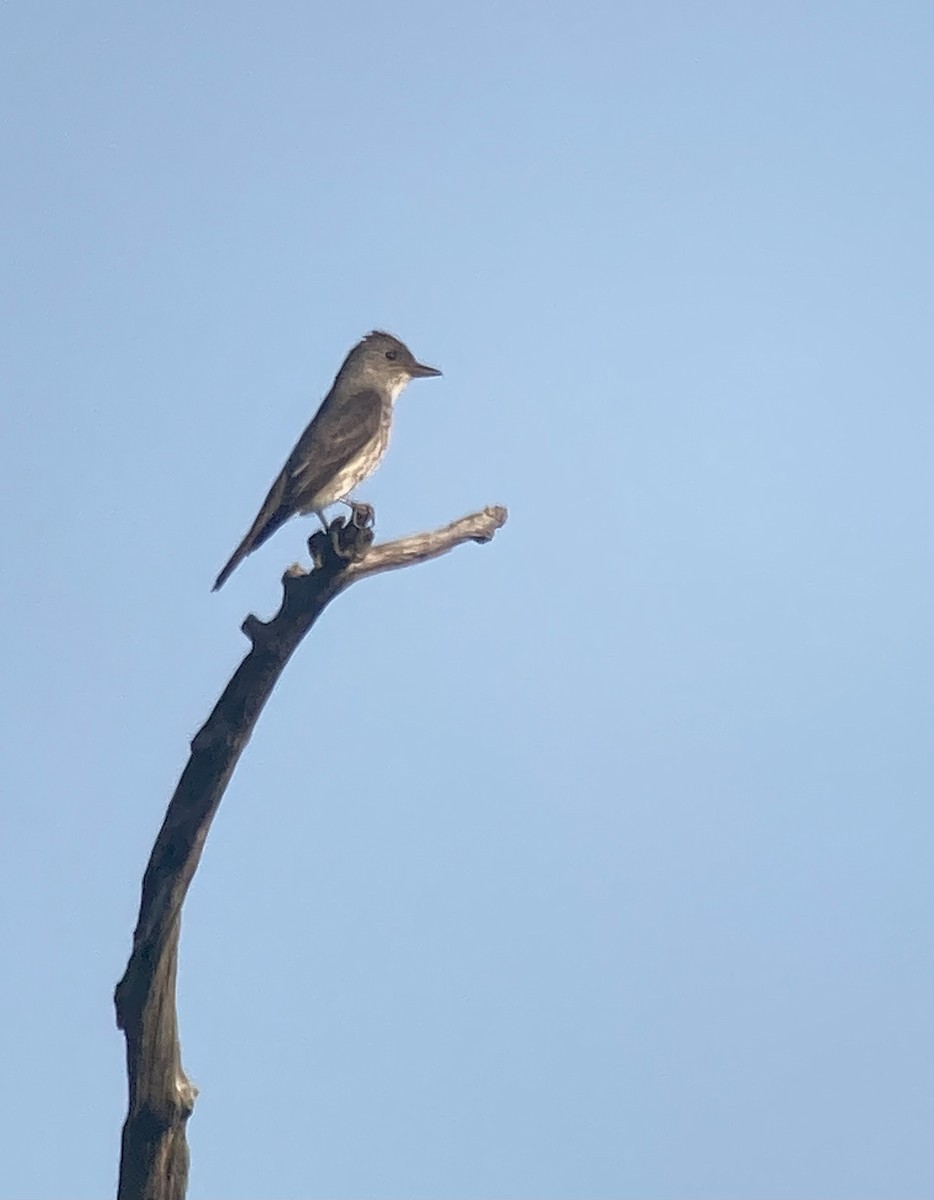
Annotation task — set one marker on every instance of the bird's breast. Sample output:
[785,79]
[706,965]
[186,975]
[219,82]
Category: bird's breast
[360,467]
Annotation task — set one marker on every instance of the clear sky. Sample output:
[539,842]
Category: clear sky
[630,895]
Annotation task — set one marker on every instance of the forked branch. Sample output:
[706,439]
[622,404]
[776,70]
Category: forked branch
[154,1152]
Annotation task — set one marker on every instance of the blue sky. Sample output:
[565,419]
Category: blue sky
[629,897]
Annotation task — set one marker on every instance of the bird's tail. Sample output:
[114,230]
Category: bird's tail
[269,518]
[251,542]
[233,562]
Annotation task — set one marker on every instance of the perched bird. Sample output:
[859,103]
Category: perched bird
[344,443]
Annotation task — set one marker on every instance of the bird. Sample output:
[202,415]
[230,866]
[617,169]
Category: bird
[344,443]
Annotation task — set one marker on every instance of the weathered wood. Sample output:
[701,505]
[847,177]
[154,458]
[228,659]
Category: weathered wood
[154,1152]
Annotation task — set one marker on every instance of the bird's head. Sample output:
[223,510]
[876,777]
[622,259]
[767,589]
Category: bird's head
[382,360]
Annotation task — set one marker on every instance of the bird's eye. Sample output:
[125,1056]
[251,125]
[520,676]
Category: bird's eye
[391,355]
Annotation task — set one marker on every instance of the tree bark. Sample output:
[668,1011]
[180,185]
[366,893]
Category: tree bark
[154,1152]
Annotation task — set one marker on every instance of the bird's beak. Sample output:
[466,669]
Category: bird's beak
[420,371]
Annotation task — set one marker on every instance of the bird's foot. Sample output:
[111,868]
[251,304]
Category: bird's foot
[345,540]
[353,540]
[362,515]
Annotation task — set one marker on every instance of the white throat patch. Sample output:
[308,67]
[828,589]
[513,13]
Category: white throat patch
[395,388]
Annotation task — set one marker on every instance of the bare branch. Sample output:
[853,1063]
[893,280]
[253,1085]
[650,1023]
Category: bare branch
[420,547]
[154,1152]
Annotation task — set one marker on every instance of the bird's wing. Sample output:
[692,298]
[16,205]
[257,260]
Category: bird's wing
[343,426]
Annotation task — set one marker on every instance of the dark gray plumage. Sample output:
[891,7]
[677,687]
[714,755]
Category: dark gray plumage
[344,443]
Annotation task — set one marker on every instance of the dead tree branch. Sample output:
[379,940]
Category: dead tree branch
[154,1152]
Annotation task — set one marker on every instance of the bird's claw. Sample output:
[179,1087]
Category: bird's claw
[353,540]
[362,515]
[346,540]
